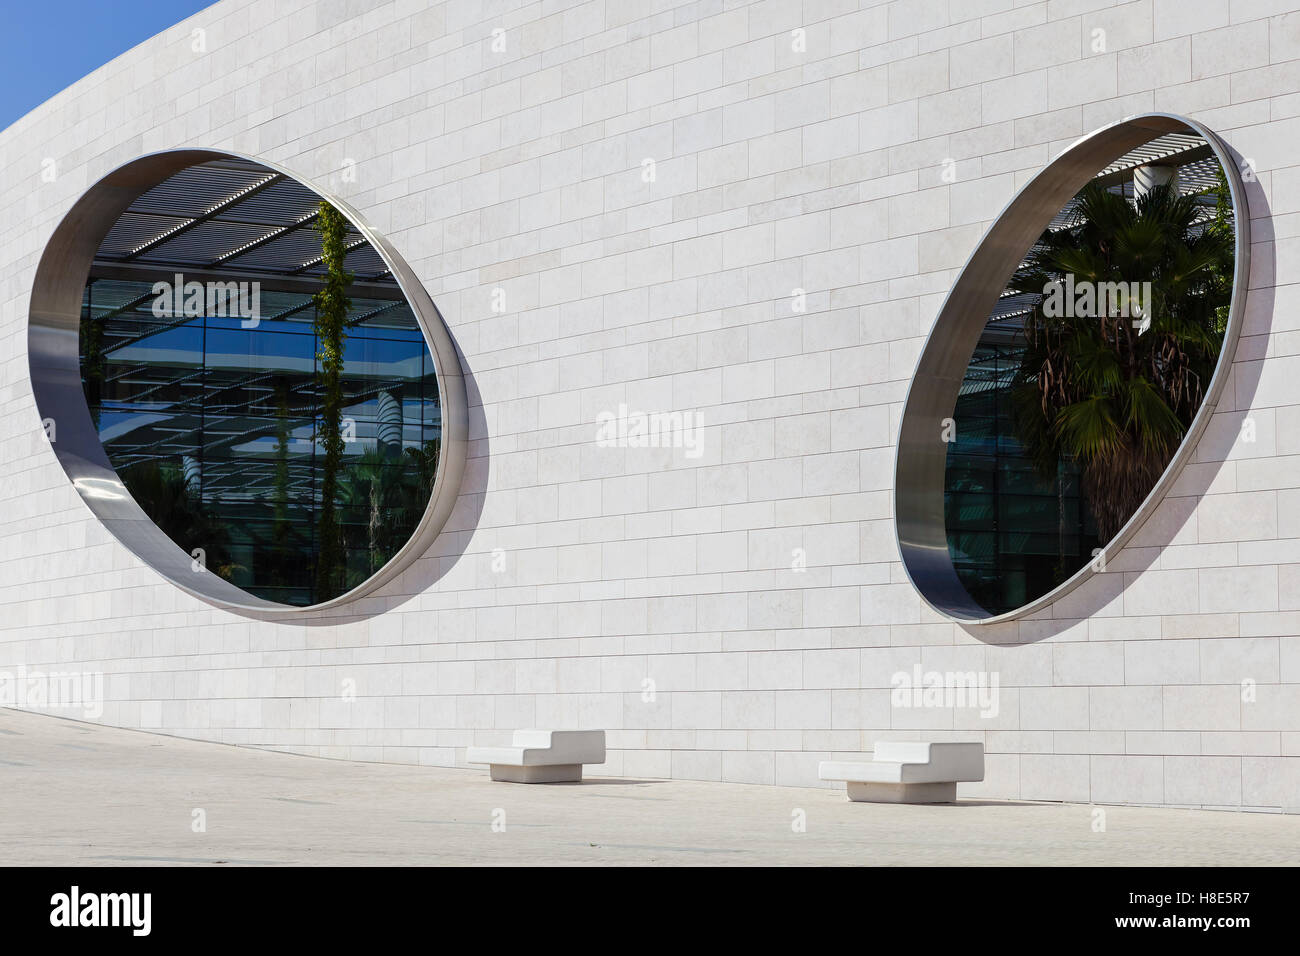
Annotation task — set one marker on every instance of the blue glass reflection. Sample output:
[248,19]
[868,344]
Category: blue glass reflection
[215,429]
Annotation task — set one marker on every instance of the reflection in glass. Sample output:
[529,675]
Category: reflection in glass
[214,427]
[1078,394]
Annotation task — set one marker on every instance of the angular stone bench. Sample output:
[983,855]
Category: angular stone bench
[542,756]
[908,772]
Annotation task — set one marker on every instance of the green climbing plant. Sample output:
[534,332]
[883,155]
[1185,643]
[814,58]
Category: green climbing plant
[332,307]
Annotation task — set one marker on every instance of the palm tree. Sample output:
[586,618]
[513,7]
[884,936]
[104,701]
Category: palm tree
[391,492]
[423,463]
[1100,390]
[370,487]
[172,503]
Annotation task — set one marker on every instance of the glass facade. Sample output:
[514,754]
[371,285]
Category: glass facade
[1066,418]
[1012,535]
[214,422]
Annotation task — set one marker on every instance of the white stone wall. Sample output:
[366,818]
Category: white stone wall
[775,170]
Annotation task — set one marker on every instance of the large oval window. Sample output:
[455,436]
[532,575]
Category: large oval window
[1071,368]
[257,375]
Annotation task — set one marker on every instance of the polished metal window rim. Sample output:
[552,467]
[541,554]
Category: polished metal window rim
[55,362]
[921,457]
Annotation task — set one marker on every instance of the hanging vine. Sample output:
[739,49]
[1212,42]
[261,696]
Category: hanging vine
[332,307]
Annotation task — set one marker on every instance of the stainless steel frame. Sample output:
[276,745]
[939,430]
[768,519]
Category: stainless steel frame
[54,356]
[932,396]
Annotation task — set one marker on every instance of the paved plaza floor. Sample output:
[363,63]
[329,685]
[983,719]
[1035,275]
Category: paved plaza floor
[81,794]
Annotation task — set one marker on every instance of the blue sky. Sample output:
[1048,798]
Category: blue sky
[51,44]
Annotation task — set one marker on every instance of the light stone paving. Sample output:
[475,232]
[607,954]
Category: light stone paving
[81,794]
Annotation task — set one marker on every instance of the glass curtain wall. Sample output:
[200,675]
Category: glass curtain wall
[213,422]
[1015,532]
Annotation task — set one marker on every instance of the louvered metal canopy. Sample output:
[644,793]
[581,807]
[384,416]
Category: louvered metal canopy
[229,216]
[223,220]
[1198,171]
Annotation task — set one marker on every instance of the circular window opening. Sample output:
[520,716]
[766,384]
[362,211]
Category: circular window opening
[1076,360]
[245,384]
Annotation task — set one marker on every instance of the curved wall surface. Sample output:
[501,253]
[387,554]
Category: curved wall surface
[689,257]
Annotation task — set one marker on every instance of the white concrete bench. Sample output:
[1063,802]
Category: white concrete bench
[542,756]
[908,772]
